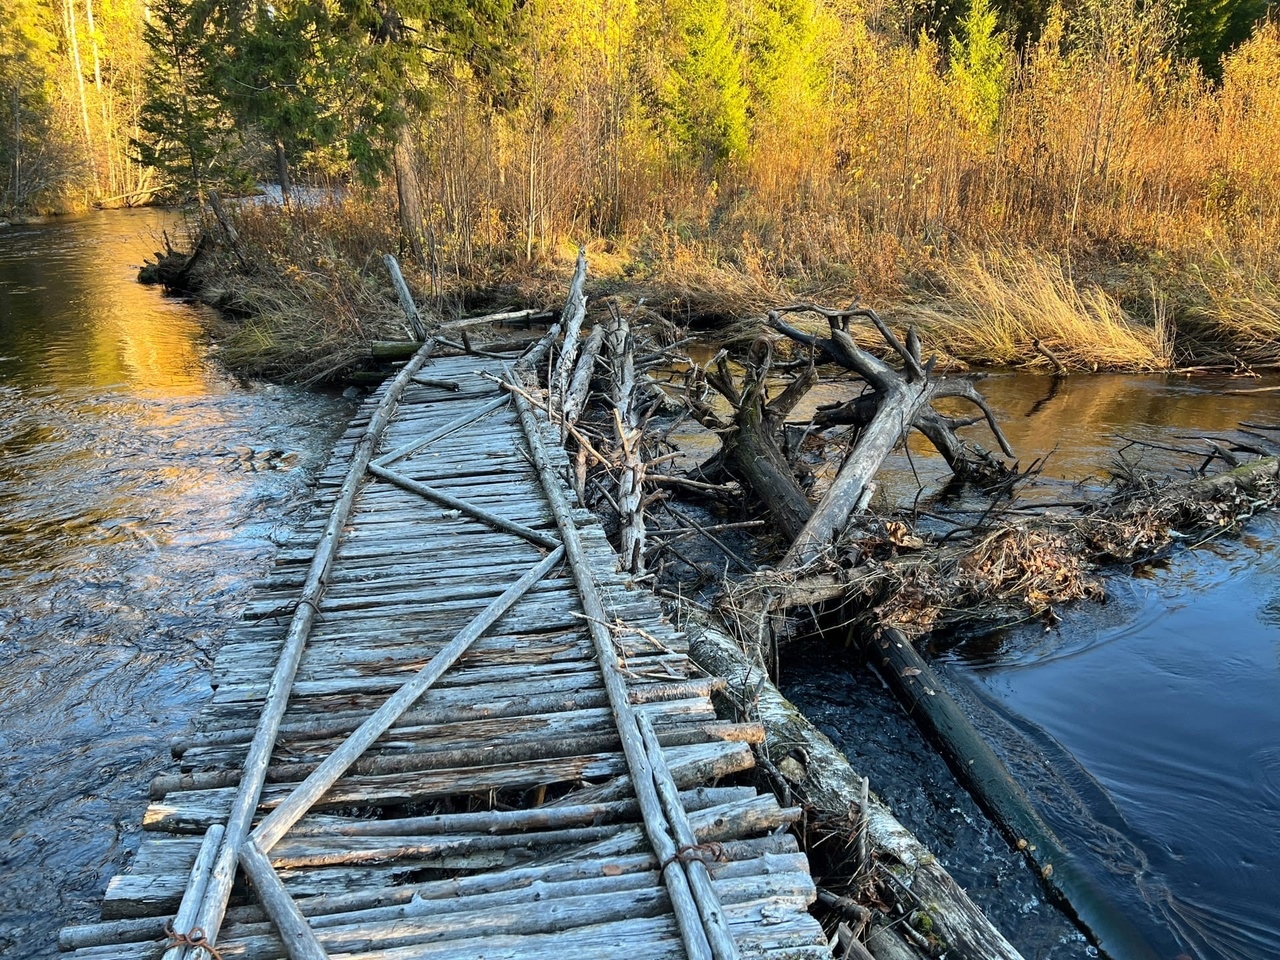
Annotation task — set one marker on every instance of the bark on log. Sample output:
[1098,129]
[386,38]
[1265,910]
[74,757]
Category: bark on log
[575,312]
[629,434]
[752,444]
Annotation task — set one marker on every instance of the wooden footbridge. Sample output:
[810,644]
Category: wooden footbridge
[448,728]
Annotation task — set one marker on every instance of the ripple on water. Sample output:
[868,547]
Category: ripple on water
[127,547]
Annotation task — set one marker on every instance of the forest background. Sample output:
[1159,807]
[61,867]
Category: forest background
[1100,175]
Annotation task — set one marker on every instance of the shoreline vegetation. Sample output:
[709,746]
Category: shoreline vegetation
[1099,177]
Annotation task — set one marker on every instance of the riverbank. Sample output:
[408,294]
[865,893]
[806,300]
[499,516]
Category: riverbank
[304,292]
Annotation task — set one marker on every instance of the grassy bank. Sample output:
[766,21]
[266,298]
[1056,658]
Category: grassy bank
[312,291]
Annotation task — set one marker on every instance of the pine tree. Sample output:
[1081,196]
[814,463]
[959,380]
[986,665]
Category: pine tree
[187,132]
[979,56]
[705,92]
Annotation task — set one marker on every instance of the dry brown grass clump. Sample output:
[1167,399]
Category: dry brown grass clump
[312,292]
[1011,573]
[995,305]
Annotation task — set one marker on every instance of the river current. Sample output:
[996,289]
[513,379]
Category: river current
[141,490]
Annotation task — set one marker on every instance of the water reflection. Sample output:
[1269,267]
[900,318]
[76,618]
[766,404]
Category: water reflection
[140,493]
[71,315]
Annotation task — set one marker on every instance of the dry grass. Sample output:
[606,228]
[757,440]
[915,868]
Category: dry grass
[315,291]
[994,306]
[1114,189]
[1236,314]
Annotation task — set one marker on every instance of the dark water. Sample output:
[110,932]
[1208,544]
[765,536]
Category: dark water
[1147,730]
[140,490]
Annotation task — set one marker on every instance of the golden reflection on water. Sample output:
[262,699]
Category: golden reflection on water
[1076,425]
[73,315]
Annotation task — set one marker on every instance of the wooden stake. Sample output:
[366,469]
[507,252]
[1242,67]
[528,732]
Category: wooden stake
[406,298]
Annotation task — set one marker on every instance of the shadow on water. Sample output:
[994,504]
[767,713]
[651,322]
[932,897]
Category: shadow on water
[141,491]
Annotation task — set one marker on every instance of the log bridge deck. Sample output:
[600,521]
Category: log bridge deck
[447,728]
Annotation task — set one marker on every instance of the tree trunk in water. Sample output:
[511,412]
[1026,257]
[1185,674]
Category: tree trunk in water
[409,198]
[854,484]
[986,777]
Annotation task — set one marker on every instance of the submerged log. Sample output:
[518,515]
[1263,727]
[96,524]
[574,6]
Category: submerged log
[827,784]
[985,776]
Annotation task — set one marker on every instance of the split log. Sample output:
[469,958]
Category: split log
[533,358]
[579,388]
[629,433]
[575,312]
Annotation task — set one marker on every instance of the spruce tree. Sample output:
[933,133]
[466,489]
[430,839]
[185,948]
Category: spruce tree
[187,131]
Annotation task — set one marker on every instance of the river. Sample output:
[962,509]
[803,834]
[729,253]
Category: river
[141,490]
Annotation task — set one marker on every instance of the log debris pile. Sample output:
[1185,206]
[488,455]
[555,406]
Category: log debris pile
[900,903]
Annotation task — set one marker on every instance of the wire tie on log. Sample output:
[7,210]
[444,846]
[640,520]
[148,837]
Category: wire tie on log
[692,852]
[196,940]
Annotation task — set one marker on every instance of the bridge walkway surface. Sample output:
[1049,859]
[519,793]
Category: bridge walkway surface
[447,727]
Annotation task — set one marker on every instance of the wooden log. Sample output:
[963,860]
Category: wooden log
[496,701]
[439,433]
[474,756]
[501,821]
[534,357]
[851,490]
[299,940]
[1059,368]
[985,776]
[827,782]
[193,811]
[417,327]
[575,312]
[713,918]
[505,317]
[630,495]
[198,880]
[470,509]
[214,903]
[580,383]
[752,444]
[686,910]
[741,858]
